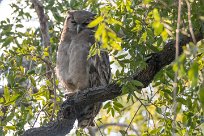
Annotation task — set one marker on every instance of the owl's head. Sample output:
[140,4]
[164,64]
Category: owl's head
[77,20]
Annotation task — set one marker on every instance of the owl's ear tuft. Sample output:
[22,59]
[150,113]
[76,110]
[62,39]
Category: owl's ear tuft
[70,12]
[94,15]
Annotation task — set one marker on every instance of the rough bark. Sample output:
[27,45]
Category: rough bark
[66,116]
[43,20]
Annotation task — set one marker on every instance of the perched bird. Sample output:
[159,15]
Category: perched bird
[74,70]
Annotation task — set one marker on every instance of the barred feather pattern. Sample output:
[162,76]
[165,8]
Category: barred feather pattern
[100,74]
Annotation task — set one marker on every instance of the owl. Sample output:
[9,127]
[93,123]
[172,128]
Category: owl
[74,69]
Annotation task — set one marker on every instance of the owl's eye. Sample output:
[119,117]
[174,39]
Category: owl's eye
[73,22]
[85,23]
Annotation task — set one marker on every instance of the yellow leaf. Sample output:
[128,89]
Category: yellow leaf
[146,1]
[179,117]
[112,35]
[158,27]
[96,22]
[164,35]
[143,37]
[22,69]
[156,15]
[1,113]
[46,49]
[99,31]
[104,38]
[9,128]
[114,21]
[116,46]
[104,45]
[151,109]
[46,54]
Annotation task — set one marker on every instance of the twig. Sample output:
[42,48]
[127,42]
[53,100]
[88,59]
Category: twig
[98,128]
[39,114]
[176,73]
[118,125]
[146,109]
[55,95]
[189,22]
[39,57]
[133,118]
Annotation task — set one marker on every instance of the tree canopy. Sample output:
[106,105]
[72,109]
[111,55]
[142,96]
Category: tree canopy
[156,50]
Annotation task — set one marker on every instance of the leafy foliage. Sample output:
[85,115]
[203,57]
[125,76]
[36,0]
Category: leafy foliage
[131,31]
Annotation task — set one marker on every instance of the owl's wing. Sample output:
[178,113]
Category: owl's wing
[99,75]
[100,72]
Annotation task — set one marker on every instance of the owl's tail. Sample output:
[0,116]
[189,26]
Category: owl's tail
[86,115]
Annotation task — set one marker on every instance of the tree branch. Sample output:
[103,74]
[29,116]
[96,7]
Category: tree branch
[94,130]
[68,111]
[43,19]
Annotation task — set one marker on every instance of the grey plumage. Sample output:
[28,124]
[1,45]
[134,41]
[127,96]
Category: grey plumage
[75,72]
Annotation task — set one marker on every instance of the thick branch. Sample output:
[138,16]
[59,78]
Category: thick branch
[43,19]
[92,95]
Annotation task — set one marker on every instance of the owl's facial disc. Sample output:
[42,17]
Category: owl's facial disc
[78,20]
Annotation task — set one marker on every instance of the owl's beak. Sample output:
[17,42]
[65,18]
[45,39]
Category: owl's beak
[79,28]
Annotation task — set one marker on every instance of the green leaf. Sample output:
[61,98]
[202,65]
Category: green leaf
[137,83]
[182,100]
[13,99]
[19,25]
[143,37]
[118,104]
[125,89]
[30,72]
[112,112]
[7,41]
[6,94]
[123,132]
[116,108]
[201,96]
[107,105]
[193,74]
[10,128]
[33,82]
[158,110]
